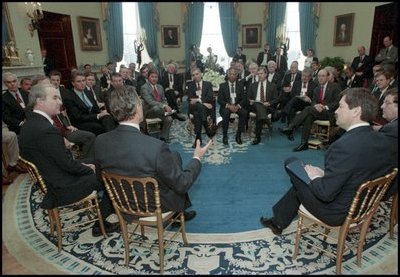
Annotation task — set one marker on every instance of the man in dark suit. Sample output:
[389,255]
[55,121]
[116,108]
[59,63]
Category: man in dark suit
[239,56]
[155,105]
[83,110]
[382,81]
[324,103]
[105,79]
[352,80]
[348,164]
[302,93]
[47,62]
[390,113]
[263,98]
[172,84]
[201,104]
[40,142]
[291,76]
[135,154]
[14,103]
[264,56]
[362,65]
[281,61]
[231,99]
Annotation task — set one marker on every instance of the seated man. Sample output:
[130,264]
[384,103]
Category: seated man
[390,113]
[172,84]
[41,143]
[356,157]
[324,103]
[201,99]
[288,80]
[155,104]
[135,154]
[14,103]
[11,153]
[83,110]
[232,99]
[302,93]
[263,98]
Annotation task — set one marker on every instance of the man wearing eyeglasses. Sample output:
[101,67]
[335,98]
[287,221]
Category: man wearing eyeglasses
[14,103]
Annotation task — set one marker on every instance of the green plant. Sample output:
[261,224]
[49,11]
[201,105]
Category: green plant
[336,62]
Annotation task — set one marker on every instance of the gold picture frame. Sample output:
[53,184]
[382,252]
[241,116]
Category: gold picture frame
[343,32]
[251,36]
[89,33]
[170,36]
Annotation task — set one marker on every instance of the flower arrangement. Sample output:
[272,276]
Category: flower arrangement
[214,77]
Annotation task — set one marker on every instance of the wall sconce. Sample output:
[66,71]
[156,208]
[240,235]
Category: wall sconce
[35,13]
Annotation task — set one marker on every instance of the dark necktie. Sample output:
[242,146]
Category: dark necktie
[59,125]
[156,94]
[19,100]
[232,94]
[170,78]
[387,51]
[262,98]
[198,86]
[321,95]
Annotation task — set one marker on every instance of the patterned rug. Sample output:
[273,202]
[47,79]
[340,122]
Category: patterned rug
[26,235]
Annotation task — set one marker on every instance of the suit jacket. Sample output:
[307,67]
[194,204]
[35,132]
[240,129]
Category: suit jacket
[297,86]
[241,57]
[104,80]
[207,95]
[331,96]
[260,57]
[357,82]
[135,154]
[224,96]
[390,57]
[287,78]
[272,94]
[348,164]
[41,143]
[77,111]
[177,85]
[277,80]
[149,100]
[13,113]
[283,67]
[364,66]
[48,65]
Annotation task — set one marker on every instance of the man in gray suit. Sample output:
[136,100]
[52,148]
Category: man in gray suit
[155,103]
[388,54]
[135,154]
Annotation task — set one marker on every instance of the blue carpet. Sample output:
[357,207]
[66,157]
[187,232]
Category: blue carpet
[239,183]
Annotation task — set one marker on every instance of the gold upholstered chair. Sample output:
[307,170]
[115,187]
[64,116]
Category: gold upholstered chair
[365,203]
[137,200]
[60,218]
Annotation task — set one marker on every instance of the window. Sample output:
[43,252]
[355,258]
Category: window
[293,32]
[131,29]
[212,34]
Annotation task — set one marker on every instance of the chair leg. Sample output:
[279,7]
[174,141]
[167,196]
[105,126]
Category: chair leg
[361,241]
[56,217]
[160,231]
[183,229]
[393,214]
[326,232]
[340,249]
[298,235]
[51,222]
[124,231]
[99,217]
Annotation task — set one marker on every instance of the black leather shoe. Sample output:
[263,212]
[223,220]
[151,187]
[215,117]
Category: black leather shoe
[211,132]
[238,139]
[225,140]
[303,146]
[288,132]
[256,141]
[110,228]
[178,116]
[269,224]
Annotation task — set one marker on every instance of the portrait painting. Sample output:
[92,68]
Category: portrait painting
[89,33]
[343,32]
[251,36]
[170,36]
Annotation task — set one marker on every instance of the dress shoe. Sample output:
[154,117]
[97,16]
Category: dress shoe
[6,181]
[16,168]
[211,132]
[165,140]
[256,141]
[178,116]
[288,132]
[110,228]
[225,140]
[238,139]
[269,224]
[303,146]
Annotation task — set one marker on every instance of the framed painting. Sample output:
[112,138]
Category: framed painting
[343,32]
[89,33]
[251,36]
[170,36]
